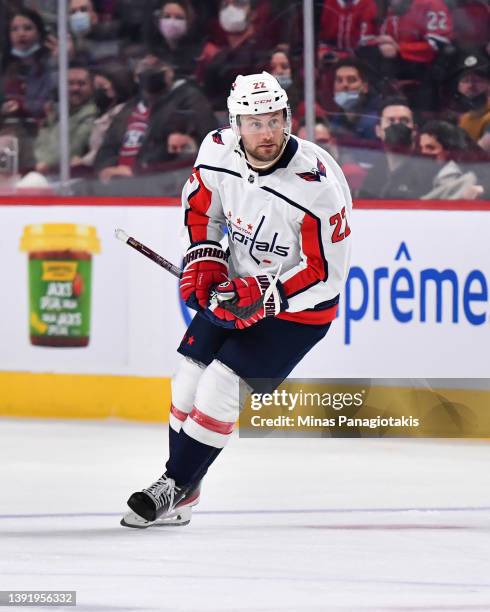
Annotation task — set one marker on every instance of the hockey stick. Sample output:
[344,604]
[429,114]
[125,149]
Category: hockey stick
[141,248]
[225,300]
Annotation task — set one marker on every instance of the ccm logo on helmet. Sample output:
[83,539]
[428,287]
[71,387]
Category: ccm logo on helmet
[268,101]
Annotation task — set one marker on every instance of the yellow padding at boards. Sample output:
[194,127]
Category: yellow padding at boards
[80,396]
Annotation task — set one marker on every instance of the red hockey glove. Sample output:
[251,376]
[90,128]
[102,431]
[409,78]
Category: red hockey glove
[247,305]
[205,264]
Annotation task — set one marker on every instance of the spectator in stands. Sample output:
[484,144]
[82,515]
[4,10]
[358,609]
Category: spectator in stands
[323,137]
[474,96]
[354,114]
[113,87]
[172,36]
[467,84]
[82,114]
[396,174]
[242,51]
[274,22]
[92,45]
[136,140]
[444,143]
[27,81]
[345,26]
[182,144]
[411,48]
[280,66]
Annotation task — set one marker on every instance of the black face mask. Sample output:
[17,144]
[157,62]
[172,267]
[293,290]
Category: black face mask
[152,82]
[470,103]
[102,100]
[398,137]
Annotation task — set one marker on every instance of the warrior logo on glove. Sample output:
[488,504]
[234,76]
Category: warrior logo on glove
[205,265]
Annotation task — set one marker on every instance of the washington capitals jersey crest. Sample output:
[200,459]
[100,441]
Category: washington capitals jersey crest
[217,138]
[315,174]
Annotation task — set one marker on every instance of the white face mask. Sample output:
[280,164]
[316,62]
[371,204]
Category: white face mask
[346,99]
[284,80]
[233,19]
[172,29]
[22,53]
[80,22]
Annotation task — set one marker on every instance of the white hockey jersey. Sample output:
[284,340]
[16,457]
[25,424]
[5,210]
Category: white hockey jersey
[296,213]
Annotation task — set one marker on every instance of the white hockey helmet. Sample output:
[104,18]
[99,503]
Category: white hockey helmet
[255,94]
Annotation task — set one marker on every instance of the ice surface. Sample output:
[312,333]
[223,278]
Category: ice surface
[284,525]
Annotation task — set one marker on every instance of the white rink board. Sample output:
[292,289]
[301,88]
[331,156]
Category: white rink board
[137,321]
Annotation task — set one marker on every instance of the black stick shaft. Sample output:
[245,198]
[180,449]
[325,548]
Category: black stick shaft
[158,259]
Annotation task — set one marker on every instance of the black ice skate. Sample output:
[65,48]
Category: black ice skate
[163,503]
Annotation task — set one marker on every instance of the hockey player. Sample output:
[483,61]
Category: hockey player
[286,206]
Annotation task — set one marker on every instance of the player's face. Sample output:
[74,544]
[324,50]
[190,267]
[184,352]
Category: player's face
[263,135]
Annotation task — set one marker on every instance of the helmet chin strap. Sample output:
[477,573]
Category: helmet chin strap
[265,165]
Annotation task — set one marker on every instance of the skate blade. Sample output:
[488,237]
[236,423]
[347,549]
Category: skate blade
[177,519]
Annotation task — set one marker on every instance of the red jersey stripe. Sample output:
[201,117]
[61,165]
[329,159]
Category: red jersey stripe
[316,267]
[199,202]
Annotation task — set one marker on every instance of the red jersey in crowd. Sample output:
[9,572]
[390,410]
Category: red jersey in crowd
[345,24]
[135,134]
[419,31]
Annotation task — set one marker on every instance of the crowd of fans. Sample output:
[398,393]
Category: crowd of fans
[402,86]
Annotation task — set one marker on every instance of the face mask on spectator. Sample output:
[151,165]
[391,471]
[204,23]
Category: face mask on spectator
[347,99]
[398,136]
[173,29]
[22,53]
[233,19]
[80,22]
[102,100]
[474,102]
[152,81]
[284,80]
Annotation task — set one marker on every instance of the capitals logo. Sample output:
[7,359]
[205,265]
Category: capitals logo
[315,174]
[244,234]
[217,138]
